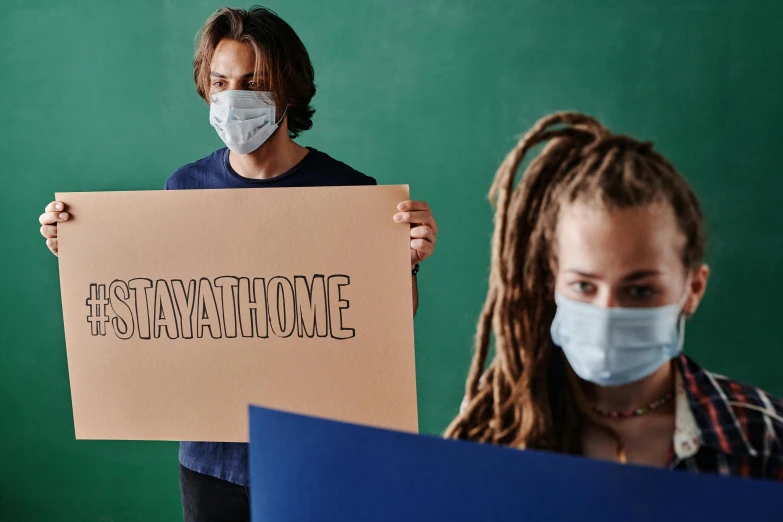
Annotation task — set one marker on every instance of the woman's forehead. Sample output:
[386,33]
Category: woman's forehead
[598,240]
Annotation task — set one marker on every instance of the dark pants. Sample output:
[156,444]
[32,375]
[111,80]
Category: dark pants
[209,499]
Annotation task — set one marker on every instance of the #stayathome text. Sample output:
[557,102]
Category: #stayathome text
[223,307]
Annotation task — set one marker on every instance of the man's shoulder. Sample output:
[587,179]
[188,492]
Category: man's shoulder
[338,173]
[191,175]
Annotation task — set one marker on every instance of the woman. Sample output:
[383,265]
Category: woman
[597,259]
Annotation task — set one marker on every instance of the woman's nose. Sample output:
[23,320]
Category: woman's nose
[607,299]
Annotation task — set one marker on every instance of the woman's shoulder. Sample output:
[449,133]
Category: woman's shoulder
[758,413]
[744,414]
[750,401]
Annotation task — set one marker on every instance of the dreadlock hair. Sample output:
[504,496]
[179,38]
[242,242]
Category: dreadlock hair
[528,396]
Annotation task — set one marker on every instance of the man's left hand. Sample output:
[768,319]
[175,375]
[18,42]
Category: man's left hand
[424,229]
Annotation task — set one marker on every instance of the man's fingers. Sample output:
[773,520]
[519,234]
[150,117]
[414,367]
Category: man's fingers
[423,247]
[54,206]
[423,232]
[52,244]
[50,218]
[418,217]
[49,231]
[413,205]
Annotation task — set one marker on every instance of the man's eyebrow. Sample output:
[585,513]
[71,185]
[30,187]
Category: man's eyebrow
[245,76]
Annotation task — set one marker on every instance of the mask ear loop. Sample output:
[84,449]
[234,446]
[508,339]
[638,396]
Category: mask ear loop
[681,336]
[281,117]
[683,300]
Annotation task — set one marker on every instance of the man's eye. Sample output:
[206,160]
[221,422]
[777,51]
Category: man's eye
[583,287]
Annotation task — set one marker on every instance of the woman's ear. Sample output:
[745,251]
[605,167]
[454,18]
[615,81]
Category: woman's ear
[697,289]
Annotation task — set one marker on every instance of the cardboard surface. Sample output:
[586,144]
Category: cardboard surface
[182,307]
[304,469]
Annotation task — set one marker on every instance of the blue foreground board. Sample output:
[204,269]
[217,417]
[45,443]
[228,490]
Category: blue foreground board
[308,469]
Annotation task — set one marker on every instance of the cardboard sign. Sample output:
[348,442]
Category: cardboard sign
[182,307]
[304,469]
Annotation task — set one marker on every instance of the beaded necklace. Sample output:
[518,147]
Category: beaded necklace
[638,412]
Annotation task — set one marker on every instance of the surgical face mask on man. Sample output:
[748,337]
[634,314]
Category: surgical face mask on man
[244,120]
[616,346]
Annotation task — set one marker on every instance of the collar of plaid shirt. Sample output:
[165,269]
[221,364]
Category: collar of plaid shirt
[734,423]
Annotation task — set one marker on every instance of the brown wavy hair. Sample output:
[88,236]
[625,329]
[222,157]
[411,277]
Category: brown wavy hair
[282,63]
[528,396]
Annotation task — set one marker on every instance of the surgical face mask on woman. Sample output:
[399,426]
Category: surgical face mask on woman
[616,346]
[619,292]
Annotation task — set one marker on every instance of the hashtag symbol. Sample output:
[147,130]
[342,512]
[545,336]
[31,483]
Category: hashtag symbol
[97,303]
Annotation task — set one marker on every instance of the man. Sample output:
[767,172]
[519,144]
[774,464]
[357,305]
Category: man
[255,74]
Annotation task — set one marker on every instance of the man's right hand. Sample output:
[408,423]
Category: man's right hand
[53,214]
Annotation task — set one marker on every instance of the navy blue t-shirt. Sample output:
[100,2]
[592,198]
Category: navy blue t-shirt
[228,460]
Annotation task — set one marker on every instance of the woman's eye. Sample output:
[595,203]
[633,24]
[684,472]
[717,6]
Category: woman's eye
[217,84]
[583,287]
[641,292]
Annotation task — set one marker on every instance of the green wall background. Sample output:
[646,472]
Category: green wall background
[98,96]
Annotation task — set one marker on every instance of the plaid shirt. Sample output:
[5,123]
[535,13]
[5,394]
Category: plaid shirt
[725,427]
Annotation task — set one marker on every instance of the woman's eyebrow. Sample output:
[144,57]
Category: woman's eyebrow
[582,274]
[633,276]
[640,274]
